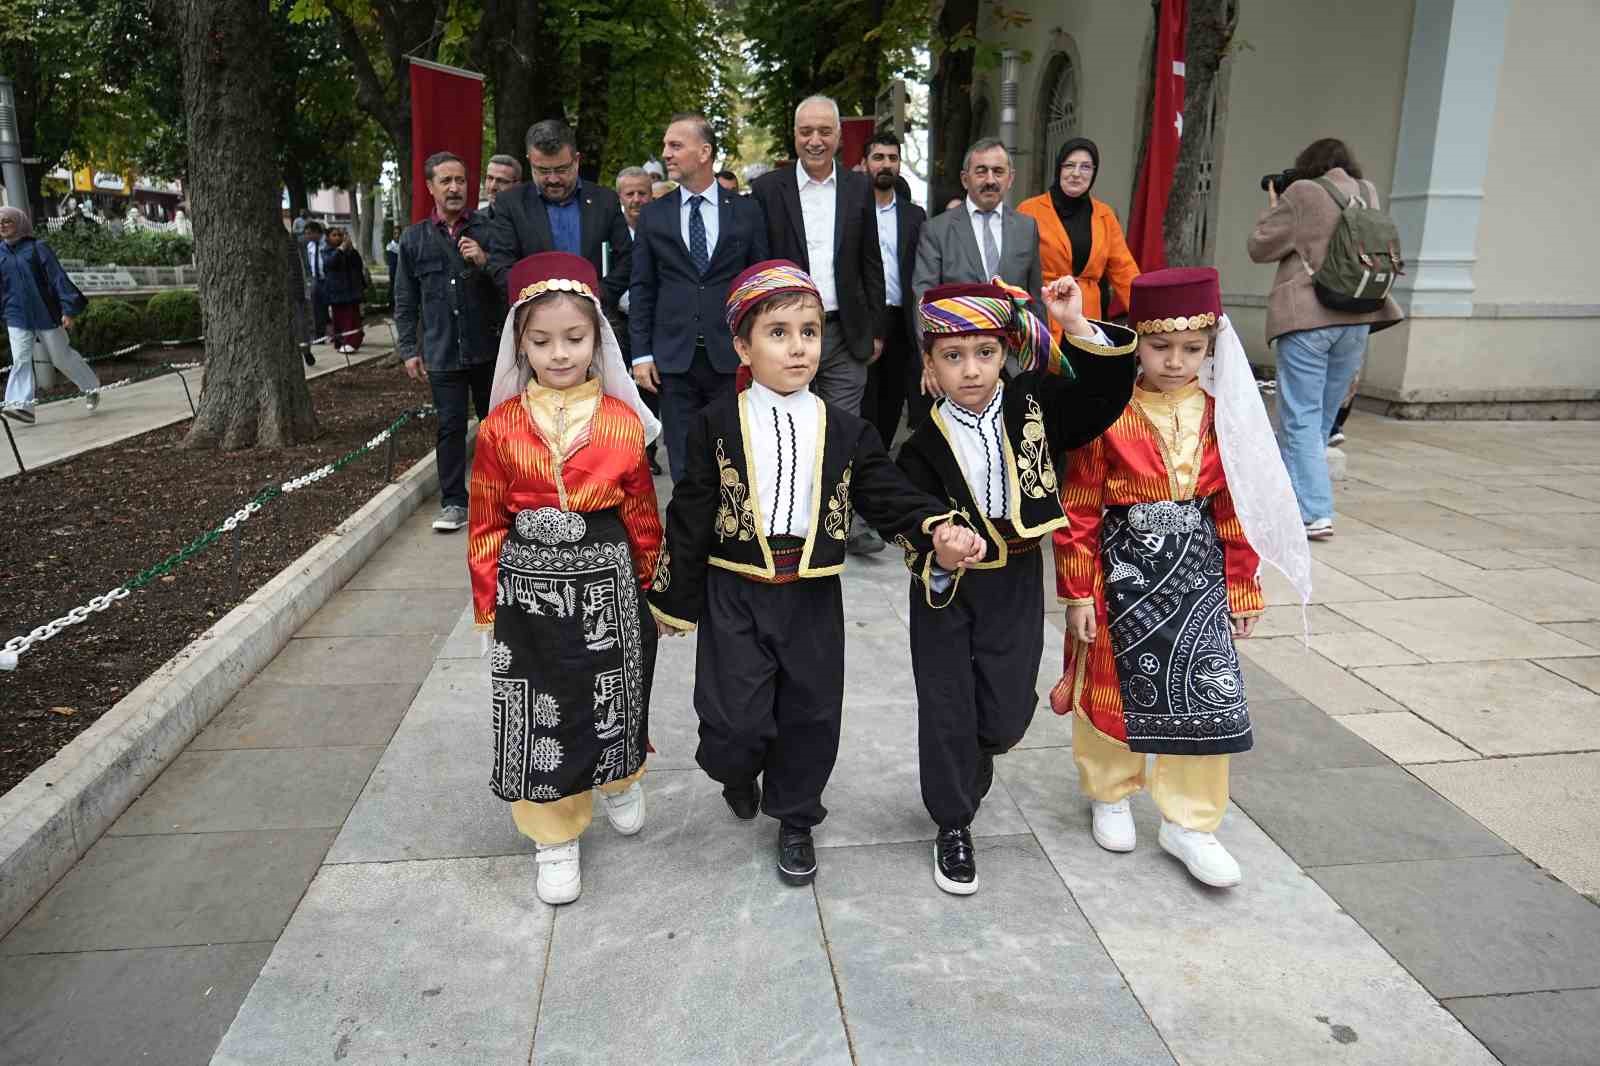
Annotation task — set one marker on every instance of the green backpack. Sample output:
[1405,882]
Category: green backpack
[1363,257]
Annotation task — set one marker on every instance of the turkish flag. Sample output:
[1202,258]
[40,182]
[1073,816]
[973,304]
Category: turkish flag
[1166,132]
[446,116]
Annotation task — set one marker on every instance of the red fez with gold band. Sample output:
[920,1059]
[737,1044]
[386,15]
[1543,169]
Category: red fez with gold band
[996,309]
[766,279]
[536,275]
[1175,299]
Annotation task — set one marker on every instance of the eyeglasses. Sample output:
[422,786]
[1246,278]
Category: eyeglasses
[981,171]
[554,172]
[1077,168]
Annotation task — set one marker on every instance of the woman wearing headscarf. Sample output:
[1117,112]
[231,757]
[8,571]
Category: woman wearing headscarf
[346,287]
[39,302]
[1079,235]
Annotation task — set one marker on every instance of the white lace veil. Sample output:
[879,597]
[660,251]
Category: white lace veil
[1257,480]
[511,374]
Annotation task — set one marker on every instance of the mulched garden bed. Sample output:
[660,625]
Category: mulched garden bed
[82,527]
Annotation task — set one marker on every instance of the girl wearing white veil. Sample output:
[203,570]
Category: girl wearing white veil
[1171,513]
[564,539]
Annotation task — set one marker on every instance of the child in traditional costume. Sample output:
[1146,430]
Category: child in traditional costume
[977,637]
[1170,513]
[756,536]
[564,537]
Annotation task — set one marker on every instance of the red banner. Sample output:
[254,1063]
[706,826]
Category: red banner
[446,116]
[854,133]
[1166,131]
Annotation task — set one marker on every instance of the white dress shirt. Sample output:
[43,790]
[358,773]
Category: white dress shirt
[818,205]
[709,214]
[979,441]
[783,435]
[889,245]
[997,227]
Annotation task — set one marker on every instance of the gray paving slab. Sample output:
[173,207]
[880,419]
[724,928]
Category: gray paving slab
[1269,973]
[1013,974]
[353,660]
[271,714]
[1535,1028]
[165,891]
[416,558]
[659,963]
[431,962]
[1295,734]
[386,612]
[251,789]
[1358,814]
[1474,927]
[159,1005]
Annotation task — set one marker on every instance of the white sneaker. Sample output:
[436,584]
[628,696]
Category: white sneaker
[1113,825]
[1319,529]
[625,810]
[559,879]
[1208,861]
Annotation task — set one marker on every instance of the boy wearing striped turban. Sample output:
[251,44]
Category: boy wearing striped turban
[987,448]
[756,537]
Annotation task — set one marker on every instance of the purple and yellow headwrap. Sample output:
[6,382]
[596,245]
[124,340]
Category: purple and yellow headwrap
[764,279]
[996,309]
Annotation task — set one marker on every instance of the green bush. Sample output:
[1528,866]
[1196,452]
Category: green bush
[98,246]
[377,295]
[173,315]
[107,326]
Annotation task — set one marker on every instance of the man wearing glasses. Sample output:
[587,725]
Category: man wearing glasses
[981,238]
[557,211]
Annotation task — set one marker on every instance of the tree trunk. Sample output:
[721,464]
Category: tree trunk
[361,198]
[594,107]
[1208,32]
[255,392]
[294,179]
[511,38]
[950,105]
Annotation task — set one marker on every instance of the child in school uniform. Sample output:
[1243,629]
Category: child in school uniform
[987,447]
[1170,513]
[756,537]
[564,537]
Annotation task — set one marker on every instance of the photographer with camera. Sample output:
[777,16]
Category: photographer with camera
[1337,255]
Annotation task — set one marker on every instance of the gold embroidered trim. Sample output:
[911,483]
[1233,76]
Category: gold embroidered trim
[837,520]
[1094,347]
[911,553]
[1179,324]
[671,620]
[1035,472]
[734,517]
[553,285]
[663,579]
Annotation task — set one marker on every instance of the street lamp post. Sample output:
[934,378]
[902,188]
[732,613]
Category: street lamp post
[16,181]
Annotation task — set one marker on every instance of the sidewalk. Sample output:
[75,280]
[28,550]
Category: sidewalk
[324,875]
[66,428]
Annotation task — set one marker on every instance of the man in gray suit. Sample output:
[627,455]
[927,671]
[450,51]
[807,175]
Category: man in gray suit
[982,238]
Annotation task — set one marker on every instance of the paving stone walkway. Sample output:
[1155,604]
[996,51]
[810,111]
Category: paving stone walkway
[324,876]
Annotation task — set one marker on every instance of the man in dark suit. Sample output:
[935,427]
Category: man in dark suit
[688,247]
[896,377]
[823,217]
[556,211]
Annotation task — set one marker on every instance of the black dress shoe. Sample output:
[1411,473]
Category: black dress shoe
[311,360]
[797,859]
[743,800]
[985,773]
[955,865]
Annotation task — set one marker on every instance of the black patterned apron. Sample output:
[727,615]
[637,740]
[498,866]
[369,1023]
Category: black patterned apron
[574,651]
[1167,609]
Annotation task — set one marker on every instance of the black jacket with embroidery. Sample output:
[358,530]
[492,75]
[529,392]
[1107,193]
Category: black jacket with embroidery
[715,517]
[1045,414]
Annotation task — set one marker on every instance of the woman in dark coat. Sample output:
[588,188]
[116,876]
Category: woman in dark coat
[346,286]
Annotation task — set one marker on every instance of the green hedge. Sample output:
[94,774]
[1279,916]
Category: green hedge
[107,326]
[98,246]
[172,316]
[377,295]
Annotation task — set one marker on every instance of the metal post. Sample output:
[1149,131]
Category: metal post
[6,422]
[16,180]
[187,395]
[388,469]
[1010,74]
[238,553]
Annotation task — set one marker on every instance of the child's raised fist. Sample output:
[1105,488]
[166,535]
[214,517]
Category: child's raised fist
[1064,299]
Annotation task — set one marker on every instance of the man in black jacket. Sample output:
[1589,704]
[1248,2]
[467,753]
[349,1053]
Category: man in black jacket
[442,284]
[557,211]
[896,377]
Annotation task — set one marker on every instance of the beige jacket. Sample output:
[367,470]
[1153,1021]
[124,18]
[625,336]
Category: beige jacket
[1301,225]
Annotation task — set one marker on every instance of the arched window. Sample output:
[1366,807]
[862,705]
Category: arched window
[1057,113]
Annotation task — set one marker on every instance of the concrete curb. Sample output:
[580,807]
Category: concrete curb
[54,814]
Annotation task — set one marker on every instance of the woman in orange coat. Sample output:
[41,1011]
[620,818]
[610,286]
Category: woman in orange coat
[1079,235]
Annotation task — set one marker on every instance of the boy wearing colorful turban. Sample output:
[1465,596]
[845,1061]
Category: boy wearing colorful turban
[987,448]
[756,537]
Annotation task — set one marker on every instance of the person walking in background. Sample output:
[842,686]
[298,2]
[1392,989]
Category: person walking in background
[1080,236]
[502,172]
[728,180]
[313,249]
[40,303]
[688,248]
[444,289]
[633,191]
[896,376]
[1319,350]
[391,258]
[345,287]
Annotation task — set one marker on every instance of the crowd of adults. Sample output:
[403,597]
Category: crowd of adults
[668,242]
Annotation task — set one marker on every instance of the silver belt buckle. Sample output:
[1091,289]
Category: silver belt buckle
[1164,517]
[550,525]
